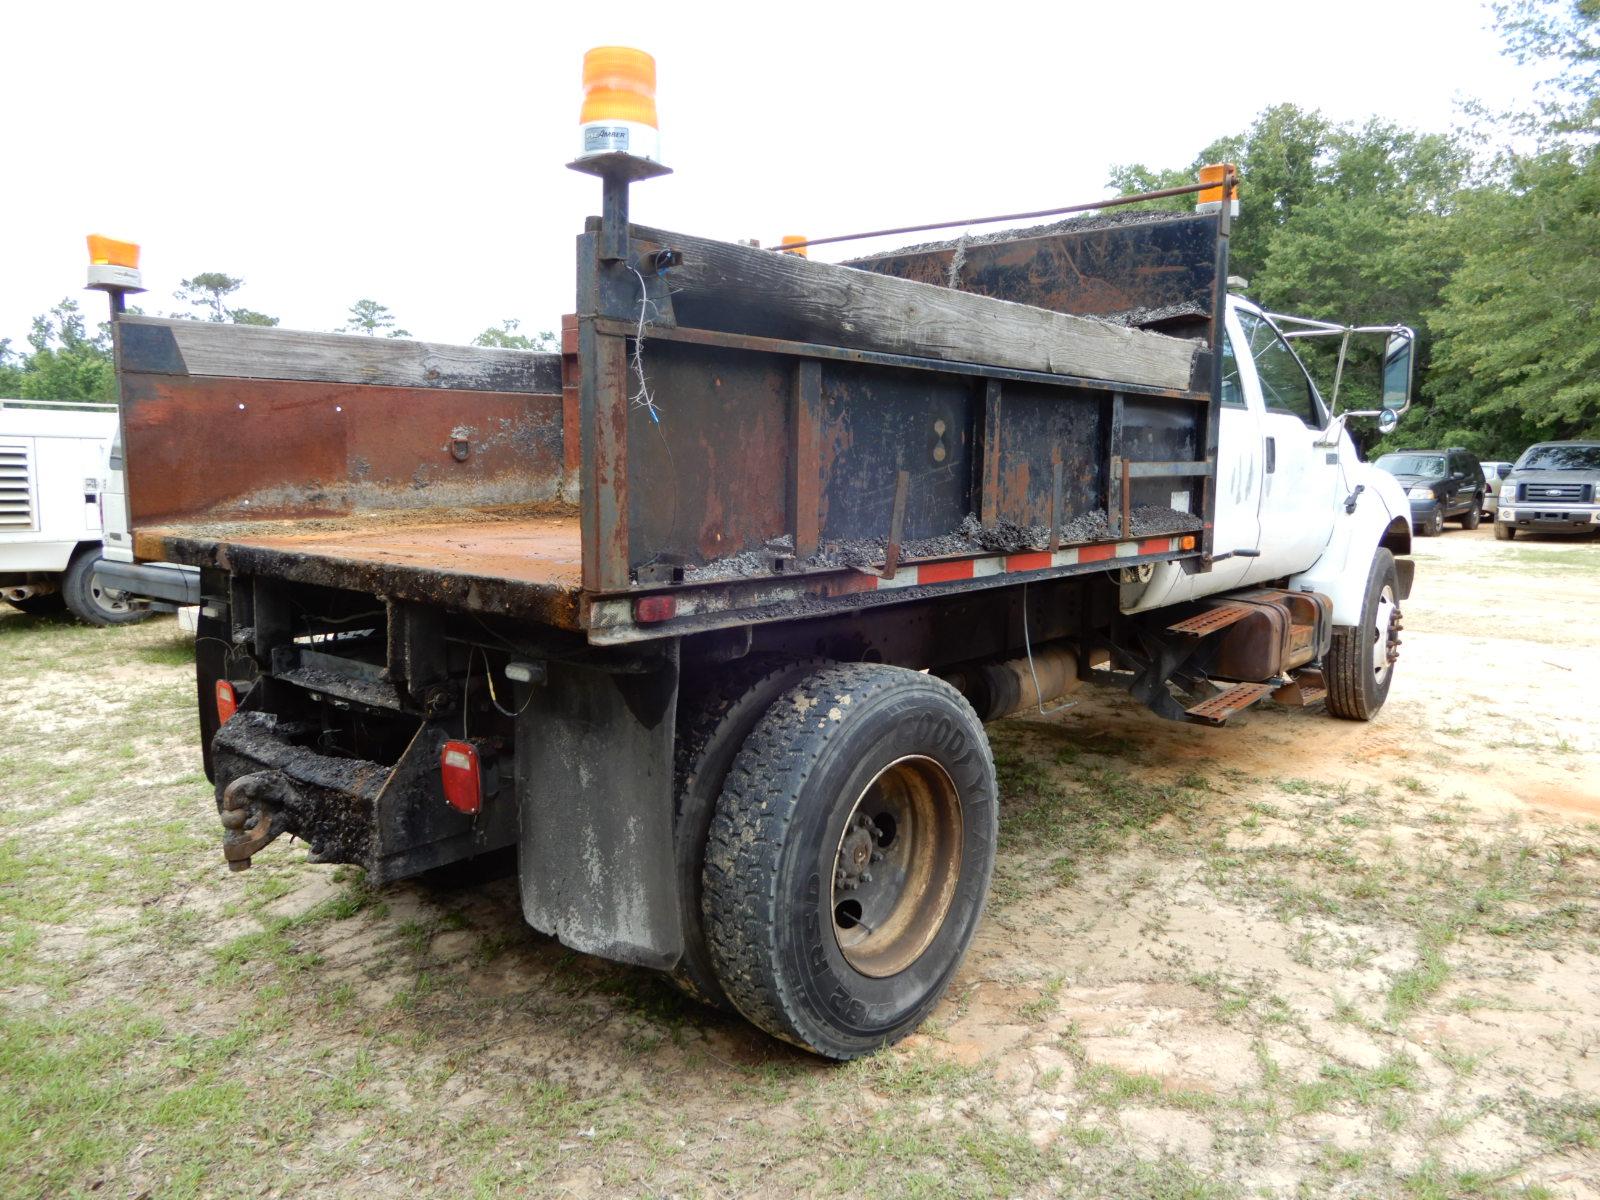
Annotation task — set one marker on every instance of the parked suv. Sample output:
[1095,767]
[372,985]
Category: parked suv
[1555,487]
[1441,485]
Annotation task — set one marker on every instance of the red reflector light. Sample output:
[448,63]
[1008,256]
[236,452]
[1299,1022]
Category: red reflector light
[649,609]
[227,701]
[458,772]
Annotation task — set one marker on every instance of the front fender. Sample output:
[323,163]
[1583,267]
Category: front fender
[1381,519]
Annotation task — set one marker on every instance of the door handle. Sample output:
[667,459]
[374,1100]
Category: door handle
[1272,455]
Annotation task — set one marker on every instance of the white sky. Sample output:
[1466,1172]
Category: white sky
[415,154]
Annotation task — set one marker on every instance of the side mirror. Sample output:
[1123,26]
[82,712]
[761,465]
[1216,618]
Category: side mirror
[1397,357]
[1388,421]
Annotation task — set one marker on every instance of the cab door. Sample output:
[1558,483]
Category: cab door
[1300,479]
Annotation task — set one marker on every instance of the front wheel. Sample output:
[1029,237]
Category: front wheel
[850,856]
[1504,532]
[1433,526]
[1361,661]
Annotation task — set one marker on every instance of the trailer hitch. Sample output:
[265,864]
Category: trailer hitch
[253,814]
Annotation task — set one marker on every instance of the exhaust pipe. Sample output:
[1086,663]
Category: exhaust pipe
[27,591]
[1005,687]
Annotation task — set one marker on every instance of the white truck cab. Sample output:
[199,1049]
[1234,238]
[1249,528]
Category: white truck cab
[54,458]
[1295,502]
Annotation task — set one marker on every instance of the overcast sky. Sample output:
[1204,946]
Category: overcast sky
[415,154]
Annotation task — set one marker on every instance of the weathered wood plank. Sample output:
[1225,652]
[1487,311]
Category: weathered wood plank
[151,345]
[740,289]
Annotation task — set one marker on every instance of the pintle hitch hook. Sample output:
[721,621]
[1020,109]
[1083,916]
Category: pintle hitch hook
[252,816]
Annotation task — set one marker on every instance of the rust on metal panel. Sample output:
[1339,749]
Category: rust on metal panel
[806,466]
[605,406]
[511,563]
[297,448]
[571,443]
[897,524]
[989,486]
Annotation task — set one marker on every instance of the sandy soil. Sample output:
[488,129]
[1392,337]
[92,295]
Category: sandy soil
[1295,956]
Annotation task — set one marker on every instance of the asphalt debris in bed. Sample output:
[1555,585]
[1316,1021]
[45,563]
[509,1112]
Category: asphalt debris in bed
[972,537]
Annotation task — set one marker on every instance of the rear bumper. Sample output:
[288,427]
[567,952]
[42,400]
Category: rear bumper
[392,821]
[157,581]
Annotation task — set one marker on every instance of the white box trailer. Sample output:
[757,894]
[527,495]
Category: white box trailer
[54,457]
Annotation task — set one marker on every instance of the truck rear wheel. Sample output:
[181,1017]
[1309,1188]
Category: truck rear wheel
[1361,659]
[1470,518]
[850,857]
[715,715]
[89,600]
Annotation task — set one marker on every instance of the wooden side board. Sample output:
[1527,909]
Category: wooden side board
[741,289]
[154,346]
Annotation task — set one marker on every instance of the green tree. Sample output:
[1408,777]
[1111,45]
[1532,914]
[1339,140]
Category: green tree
[507,337]
[210,292]
[1518,358]
[369,317]
[12,368]
[68,362]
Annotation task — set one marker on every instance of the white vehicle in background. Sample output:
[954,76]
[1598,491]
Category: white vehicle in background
[54,457]
[1494,474]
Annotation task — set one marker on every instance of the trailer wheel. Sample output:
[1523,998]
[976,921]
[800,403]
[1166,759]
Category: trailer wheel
[715,714]
[850,857]
[88,600]
[1361,659]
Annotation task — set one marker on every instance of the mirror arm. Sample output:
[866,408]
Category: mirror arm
[1338,373]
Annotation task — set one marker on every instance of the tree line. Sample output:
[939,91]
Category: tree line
[66,360]
[1485,239]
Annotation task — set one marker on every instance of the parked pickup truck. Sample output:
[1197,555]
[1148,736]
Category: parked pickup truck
[1554,487]
[705,614]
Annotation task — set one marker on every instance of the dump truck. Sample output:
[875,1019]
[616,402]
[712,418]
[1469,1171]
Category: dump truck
[704,615]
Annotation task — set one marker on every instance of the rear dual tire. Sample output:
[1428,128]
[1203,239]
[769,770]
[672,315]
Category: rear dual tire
[850,856]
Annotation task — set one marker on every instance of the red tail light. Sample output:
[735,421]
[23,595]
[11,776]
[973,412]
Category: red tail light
[458,772]
[649,609]
[227,701]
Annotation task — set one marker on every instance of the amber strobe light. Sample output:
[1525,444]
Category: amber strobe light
[458,772]
[619,104]
[1209,198]
[227,701]
[795,239]
[113,265]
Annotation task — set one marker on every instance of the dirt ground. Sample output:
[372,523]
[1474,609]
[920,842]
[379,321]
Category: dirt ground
[1292,957]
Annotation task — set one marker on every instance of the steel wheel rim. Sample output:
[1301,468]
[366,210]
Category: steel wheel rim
[1385,634]
[103,599]
[896,866]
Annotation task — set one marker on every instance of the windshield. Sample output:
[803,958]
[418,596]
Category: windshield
[1560,458]
[1427,466]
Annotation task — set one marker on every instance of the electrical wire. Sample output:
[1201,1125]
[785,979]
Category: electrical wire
[1027,644]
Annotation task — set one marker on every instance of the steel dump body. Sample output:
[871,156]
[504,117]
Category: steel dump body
[785,439]
[737,457]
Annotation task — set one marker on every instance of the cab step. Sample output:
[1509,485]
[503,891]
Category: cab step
[1211,619]
[1304,689]
[1223,705]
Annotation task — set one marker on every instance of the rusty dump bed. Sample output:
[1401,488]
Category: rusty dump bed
[785,438]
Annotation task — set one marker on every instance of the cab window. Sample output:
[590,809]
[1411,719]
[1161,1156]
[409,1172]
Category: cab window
[1232,393]
[1285,388]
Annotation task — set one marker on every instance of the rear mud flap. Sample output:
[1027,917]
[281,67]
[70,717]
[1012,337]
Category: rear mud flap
[594,777]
